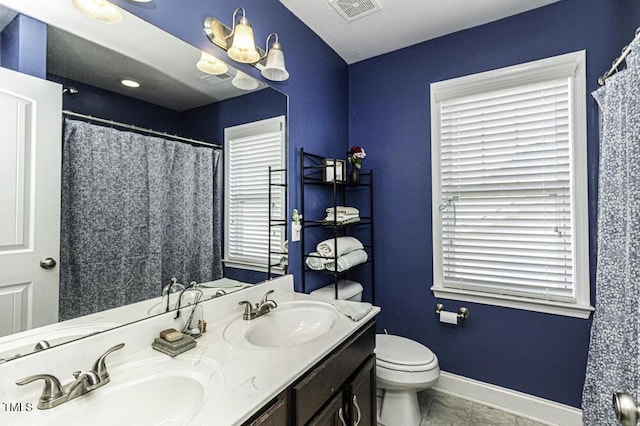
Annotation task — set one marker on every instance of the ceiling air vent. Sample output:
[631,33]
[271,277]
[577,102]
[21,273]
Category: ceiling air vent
[215,78]
[351,10]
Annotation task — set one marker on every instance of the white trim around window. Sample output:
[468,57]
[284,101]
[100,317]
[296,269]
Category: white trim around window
[509,187]
[249,150]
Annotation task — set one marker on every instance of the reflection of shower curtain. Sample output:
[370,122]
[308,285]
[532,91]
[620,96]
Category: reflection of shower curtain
[136,211]
[614,362]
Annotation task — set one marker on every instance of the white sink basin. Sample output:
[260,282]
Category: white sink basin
[290,324]
[156,391]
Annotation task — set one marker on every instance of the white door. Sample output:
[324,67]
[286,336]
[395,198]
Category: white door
[30,163]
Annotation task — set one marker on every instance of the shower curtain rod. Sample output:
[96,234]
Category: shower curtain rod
[141,129]
[614,68]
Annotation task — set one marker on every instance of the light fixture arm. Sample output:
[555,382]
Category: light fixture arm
[266,44]
[243,19]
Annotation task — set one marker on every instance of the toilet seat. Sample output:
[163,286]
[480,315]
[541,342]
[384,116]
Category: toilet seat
[402,354]
[406,368]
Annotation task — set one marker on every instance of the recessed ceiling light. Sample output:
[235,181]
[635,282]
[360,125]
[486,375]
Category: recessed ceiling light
[99,10]
[129,83]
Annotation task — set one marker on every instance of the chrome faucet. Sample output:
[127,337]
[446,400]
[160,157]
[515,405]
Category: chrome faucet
[263,307]
[199,295]
[173,287]
[41,345]
[54,393]
[219,292]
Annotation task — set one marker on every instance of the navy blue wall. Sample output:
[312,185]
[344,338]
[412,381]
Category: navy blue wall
[211,120]
[540,354]
[24,46]
[97,102]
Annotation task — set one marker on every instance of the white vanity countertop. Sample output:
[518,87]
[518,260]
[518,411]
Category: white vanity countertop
[246,377]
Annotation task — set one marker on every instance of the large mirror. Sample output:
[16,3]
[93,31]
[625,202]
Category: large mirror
[175,97]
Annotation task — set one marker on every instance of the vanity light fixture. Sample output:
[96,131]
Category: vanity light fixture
[211,65]
[99,10]
[274,69]
[239,44]
[244,81]
[130,83]
[242,48]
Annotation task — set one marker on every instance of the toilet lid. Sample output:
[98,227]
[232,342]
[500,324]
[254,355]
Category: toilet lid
[402,351]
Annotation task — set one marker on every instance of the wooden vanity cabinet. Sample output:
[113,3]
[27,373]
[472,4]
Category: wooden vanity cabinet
[361,395]
[330,386]
[355,405]
[338,391]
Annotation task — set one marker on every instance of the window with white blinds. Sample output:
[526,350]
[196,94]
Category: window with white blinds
[509,187]
[250,149]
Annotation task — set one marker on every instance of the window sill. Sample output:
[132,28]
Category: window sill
[252,267]
[574,310]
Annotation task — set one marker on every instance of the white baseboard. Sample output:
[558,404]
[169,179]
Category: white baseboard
[518,403]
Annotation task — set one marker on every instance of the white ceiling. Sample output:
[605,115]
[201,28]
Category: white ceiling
[399,23]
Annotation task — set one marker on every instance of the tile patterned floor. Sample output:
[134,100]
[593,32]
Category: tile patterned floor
[440,409]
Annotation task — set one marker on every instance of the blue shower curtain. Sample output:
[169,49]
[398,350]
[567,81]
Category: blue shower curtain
[614,352]
[137,210]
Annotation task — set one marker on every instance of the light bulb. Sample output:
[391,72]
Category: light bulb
[99,10]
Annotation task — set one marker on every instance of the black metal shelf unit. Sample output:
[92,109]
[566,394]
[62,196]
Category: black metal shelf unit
[313,170]
[277,220]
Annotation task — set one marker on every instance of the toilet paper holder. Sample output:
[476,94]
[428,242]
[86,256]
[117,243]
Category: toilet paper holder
[463,313]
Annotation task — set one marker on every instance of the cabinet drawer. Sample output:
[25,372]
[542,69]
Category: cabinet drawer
[310,394]
[273,414]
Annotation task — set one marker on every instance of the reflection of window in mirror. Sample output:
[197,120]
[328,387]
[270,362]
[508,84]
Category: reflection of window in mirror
[249,150]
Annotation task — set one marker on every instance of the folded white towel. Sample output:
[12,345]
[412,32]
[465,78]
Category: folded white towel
[341,217]
[344,245]
[341,222]
[354,310]
[316,262]
[347,261]
[342,210]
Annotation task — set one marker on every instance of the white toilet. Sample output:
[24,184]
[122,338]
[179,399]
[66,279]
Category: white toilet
[403,367]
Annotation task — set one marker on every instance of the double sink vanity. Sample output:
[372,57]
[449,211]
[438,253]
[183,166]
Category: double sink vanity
[298,362]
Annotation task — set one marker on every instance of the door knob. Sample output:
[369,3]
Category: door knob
[627,412]
[47,263]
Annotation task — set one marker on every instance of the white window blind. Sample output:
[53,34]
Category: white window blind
[506,172]
[249,152]
[504,197]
